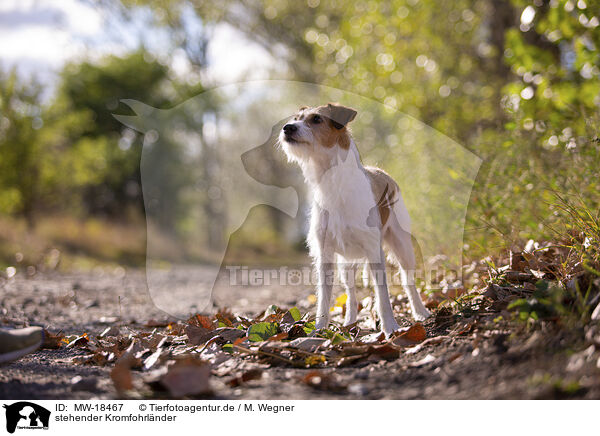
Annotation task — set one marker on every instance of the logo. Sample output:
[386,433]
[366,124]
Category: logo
[26,415]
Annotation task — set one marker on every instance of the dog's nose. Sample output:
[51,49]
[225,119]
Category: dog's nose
[290,128]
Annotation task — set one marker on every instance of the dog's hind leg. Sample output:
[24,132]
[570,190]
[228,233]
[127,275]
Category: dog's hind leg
[400,243]
[347,273]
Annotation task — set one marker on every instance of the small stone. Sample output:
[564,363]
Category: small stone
[358,389]
[79,383]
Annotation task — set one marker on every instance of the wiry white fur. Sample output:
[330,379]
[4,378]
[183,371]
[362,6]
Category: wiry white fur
[344,192]
[345,227]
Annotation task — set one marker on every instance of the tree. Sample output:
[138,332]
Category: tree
[94,90]
[21,165]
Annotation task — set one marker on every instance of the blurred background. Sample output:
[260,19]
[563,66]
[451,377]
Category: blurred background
[515,82]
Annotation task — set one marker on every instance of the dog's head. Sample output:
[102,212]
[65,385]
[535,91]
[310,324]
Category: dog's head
[316,133]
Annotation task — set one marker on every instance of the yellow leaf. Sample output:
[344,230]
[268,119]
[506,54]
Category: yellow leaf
[341,300]
[314,360]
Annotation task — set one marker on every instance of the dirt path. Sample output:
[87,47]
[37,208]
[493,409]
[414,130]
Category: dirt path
[466,366]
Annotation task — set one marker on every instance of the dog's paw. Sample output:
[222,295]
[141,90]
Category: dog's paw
[421,314]
[390,329]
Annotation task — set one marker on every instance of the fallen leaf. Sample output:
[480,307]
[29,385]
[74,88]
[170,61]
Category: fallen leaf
[201,321]
[78,341]
[189,376]
[229,334]
[152,359]
[52,341]
[385,351]
[323,381]
[252,374]
[415,334]
[315,360]
[121,372]
[197,335]
[291,316]
[262,331]
[307,344]
[225,318]
[278,337]
[110,331]
[340,302]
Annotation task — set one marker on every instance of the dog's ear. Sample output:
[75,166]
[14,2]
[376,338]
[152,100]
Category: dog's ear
[339,115]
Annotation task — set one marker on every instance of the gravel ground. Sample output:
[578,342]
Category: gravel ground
[500,366]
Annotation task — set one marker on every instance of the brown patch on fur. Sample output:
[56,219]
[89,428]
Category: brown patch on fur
[328,135]
[385,190]
[325,131]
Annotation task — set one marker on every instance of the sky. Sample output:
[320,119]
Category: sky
[39,36]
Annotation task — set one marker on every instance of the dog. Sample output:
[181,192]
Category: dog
[356,211]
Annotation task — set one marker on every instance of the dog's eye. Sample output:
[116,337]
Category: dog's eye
[316,119]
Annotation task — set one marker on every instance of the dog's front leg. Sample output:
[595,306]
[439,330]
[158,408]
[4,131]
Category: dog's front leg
[382,296]
[323,254]
[325,271]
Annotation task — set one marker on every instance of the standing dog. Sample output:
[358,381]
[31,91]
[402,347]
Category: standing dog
[355,211]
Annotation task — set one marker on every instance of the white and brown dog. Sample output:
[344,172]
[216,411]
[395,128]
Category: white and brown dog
[355,211]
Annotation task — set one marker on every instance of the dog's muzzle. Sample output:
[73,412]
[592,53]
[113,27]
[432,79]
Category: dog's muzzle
[288,131]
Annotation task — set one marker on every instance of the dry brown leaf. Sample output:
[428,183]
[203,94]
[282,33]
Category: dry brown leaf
[52,341]
[197,335]
[322,380]
[79,341]
[201,321]
[225,316]
[189,376]
[121,373]
[415,334]
[229,334]
[252,374]
[385,351]
[278,337]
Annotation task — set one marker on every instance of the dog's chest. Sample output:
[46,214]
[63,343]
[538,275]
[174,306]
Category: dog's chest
[343,205]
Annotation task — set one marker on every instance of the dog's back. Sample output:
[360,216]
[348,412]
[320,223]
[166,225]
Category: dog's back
[388,197]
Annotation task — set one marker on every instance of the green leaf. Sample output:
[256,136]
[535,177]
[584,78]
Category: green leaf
[262,331]
[338,339]
[309,327]
[295,313]
[228,348]
[518,303]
